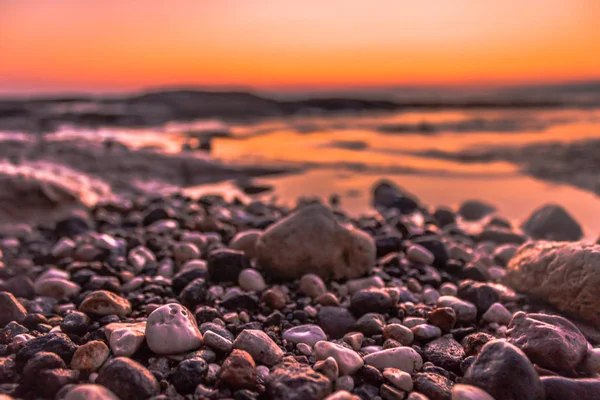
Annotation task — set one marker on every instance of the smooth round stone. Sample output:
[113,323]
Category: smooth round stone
[102,302]
[172,329]
[465,311]
[259,345]
[90,392]
[217,342]
[347,359]
[399,333]
[184,252]
[251,280]
[63,248]
[128,379]
[328,367]
[400,379]
[420,254]
[53,273]
[411,322]
[308,334]
[448,289]
[56,288]
[468,392]
[90,356]
[426,332]
[139,256]
[246,242]
[125,338]
[312,285]
[303,348]
[497,313]
[402,358]
[430,296]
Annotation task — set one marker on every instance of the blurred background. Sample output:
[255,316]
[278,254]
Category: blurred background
[452,100]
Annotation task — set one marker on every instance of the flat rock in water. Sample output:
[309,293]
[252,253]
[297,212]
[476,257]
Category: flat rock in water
[560,388]
[552,222]
[505,372]
[311,241]
[295,381]
[566,275]
[550,341]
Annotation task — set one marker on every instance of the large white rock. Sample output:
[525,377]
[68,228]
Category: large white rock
[172,329]
[125,338]
[347,359]
[311,241]
[402,358]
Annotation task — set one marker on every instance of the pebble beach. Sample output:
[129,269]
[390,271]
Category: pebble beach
[177,297]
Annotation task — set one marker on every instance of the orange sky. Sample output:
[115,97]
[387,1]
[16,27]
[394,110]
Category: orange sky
[106,45]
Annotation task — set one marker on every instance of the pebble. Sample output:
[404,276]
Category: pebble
[505,372]
[245,241]
[90,356]
[312,286]
[592,361]
[225,265]
[189,374]
[400,379]
[328,367]
[239,371]
[468,392]
[420,254]
[308,334]
[370,301]
[56,342]
[102,302]
[426,332]
[354,339]
[445,352]
[125,338]
[342,395]
[434,386]
[128,379]
[344,383]
[402,358]
[347,359]
[56,288]
[259,345]
[442,317]
[465,311]
[354,285]
[10,309]
[172,329]
[303,348]
[217,342]
[497,313]
[251,280]
[184,252]
[310,240]
[448,289]
[295,381]
[336,321]
[561,388]
[90,392]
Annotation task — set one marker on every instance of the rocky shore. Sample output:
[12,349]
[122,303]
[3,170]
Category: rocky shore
[170,297]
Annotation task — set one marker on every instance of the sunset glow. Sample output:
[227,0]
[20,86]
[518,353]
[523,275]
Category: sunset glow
[107,45]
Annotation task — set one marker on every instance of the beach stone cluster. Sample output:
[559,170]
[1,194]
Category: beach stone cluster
[171,297]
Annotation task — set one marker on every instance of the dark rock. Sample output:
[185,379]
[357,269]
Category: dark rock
[238,371]
[157,214]
[435,245]
[42,305]
[336,321]
[71,226]
[75,322]
[552,222]
[560,388]
[500,236]
[474,210]
[188,374]
[444,216]
[183,278]
[474,342]
[294,381]
[216,328]
[434,386]
[505,372]
[370,301]
[10,309]
[480,294]
[366,391]
[50,381]
[11,330]
[194,293]
[225,265]
[128,379]
[41,362]
[387,244]
[370,324]
[442,317]
[445,352]
[235,300]
[8,370]
[549,341]
[57,343]
[19,286]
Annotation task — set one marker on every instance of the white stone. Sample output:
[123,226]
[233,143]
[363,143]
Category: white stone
[251,280]
[402,358]
[125,338]
[259,345]
[400,379]
[497,313]
[312,286]
[465,311]
[217,342]
[312,241]
[419,254]
[468,392]
[309,334]
[348,360]
[56,288]
[90,392]
[172,329]
[328,367]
